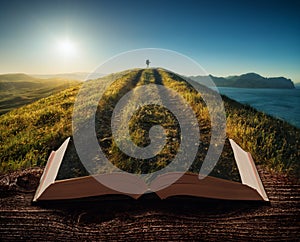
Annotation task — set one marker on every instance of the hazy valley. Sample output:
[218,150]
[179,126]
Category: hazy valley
[19,89]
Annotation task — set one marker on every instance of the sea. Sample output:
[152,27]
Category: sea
[280,103]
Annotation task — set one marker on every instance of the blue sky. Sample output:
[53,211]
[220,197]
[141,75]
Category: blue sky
[224,37]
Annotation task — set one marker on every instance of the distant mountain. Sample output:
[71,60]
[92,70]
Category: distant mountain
[249,80]
[80,76]
[19,89]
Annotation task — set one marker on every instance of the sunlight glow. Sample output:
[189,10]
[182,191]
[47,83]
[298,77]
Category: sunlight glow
[66,48]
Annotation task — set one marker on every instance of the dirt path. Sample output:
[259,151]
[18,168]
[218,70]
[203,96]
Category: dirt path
[148,219]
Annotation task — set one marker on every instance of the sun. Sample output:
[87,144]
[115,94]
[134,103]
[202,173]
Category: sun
[66,47]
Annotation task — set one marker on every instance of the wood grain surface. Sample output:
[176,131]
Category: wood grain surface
[148,218]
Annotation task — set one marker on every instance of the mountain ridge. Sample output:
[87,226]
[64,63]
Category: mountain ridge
[80,76]
[247,80]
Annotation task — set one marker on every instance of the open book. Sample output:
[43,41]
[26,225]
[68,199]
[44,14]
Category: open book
[188,184]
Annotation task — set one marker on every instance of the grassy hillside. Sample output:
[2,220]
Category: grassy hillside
[19,89]
[28,134]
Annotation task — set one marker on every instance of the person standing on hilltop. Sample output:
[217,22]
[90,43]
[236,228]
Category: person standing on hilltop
[147,63]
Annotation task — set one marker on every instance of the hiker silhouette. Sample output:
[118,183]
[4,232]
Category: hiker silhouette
[147,63]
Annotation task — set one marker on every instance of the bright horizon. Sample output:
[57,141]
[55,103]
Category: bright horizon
[86,72]
[77,36]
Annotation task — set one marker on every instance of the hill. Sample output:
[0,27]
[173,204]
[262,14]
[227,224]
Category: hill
[79,76]
[31,132]
[249,80]
[19,89]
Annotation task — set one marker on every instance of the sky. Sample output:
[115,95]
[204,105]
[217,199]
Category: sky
[224,37]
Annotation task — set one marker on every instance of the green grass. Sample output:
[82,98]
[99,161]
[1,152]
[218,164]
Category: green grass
[29,133]
[273,143]
[17,90]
